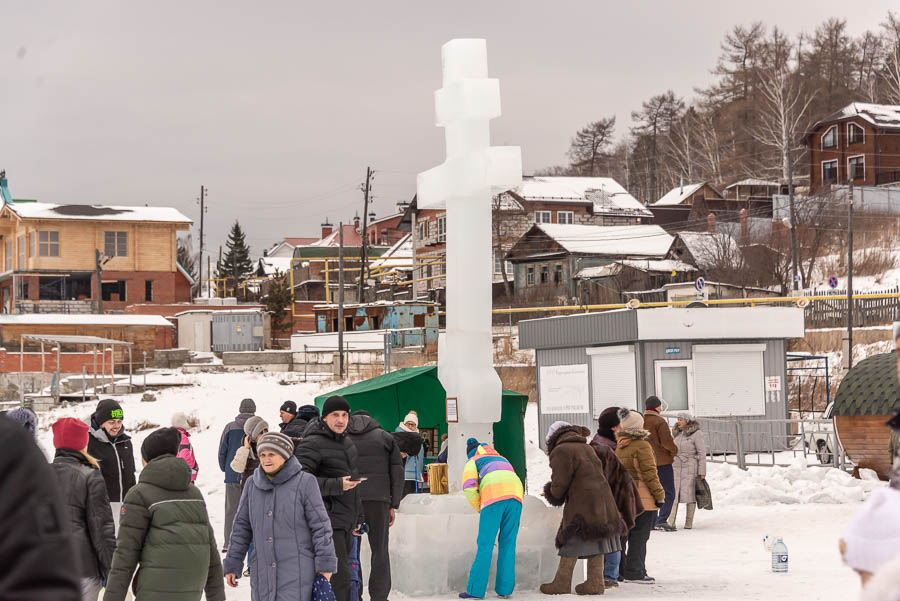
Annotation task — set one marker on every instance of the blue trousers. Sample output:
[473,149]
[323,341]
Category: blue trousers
[667,479]
[498,522]
[611,566]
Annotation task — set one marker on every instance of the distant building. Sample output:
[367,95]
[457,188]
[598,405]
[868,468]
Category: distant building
[860,142]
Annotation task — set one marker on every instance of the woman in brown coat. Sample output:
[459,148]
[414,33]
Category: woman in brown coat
[636,454]
[591,524]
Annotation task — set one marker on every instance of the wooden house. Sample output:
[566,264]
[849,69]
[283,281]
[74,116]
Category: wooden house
[868,396]
[59,258]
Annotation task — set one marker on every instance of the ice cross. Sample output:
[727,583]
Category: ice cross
[472,172]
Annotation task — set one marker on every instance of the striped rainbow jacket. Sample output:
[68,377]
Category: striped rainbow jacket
[489,478]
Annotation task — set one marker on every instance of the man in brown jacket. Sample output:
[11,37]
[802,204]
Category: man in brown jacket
[664,449]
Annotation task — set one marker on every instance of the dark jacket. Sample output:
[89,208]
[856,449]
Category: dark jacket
[232,439]
[164,527]
[37,556]
[286,518]
[379,461]
[295,429]
[577,481]
[329,457]
[622,485]
[90,517]
[116,459]
[664,448]
[606,438]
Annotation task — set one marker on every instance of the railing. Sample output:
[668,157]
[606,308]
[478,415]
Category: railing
[772,442]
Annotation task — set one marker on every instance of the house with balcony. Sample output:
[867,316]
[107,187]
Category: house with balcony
[860,142]
[67,258]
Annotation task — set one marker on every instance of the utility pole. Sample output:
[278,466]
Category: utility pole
[794,254]
[365,240]
[208,276]
[341,300]
[225,283]
[850,280]
[202,200]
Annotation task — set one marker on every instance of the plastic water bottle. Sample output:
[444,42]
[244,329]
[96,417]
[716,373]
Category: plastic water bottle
[779,557]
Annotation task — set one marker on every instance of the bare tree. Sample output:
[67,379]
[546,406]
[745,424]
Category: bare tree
[509,222]
[589,144]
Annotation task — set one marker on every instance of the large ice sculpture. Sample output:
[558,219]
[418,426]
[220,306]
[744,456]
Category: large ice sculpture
[471,173]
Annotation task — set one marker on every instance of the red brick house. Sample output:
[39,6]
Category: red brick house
[860,142]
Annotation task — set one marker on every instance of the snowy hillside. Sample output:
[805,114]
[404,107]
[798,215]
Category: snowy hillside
[721,558]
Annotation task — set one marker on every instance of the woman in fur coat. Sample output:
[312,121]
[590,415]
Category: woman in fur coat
[690,464]
[591,524]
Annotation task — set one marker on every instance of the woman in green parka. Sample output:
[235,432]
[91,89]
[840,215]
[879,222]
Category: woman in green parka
[164,531]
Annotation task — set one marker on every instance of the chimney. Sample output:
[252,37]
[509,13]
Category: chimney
[711,223]
[327,228]
[265,252]
[744,233]
[356,221]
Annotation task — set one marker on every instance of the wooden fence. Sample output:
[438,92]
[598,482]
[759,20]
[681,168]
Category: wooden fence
[832,313]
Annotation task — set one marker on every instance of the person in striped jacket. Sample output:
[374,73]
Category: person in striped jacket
[495,491]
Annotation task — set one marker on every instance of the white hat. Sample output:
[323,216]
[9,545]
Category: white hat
[632,421]
[872,537]
[180,420]
[554,427]
[411,417]
[686,416]
[885,584]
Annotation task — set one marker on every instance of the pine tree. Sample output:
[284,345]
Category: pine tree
[235,265]
[278,301]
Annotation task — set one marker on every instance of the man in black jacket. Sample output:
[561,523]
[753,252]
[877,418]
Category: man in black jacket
[380,462]
[36,551]
[297,426]
[327,453]
[112,447]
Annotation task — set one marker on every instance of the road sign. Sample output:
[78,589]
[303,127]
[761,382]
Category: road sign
[700,283]
[832,282]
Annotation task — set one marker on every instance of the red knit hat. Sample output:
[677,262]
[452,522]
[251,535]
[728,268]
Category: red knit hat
[70,433]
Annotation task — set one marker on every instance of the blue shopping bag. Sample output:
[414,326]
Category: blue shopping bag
[322,589]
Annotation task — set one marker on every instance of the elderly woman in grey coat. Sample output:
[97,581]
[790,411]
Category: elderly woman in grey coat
[690,464]
[281,510]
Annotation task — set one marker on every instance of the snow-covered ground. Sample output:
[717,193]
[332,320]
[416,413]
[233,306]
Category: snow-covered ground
[721,558]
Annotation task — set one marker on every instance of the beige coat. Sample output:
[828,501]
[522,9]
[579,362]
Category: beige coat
[690,461]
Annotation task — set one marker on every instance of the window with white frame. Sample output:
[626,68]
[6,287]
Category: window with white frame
[543,217]
[115,244]
[856,167]
[829,138]
[565,217]
[497,266]
[421,231]
[529,278]
[48,243]
[545,274]
[855,134]
[829,171]
[442,228]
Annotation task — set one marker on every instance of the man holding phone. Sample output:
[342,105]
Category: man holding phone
[381,463]
[327,453]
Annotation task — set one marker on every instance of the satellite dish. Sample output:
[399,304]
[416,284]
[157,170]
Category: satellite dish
[803,303]
[633,304]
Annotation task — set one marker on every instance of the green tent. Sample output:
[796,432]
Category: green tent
[390,397]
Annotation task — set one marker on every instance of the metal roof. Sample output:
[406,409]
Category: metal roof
[869,388]
[74,340]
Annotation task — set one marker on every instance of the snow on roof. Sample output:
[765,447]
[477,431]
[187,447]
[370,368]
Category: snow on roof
[606,194]
[83,319]
[351,237]
[649,266]
[399,256]
[677,195]
[46,210]
[752,181]
[881,115]
[225,311]
[708,248]
[616,240]
[271,264]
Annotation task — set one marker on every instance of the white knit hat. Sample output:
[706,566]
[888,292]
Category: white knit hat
[872,537]
[632,421]
[180,420]
[554,427]
[412,417]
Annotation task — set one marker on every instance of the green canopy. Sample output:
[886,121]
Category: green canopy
[388,398]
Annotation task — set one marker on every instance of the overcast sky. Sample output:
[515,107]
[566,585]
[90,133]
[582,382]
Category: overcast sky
[278,107]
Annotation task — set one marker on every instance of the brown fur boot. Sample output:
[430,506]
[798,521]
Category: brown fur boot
[562,582]
[594,583]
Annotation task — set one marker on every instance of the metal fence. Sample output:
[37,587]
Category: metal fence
[832,313]
[771,442]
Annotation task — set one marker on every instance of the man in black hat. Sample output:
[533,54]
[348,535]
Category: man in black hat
[288,411]
[113,449]
[296,426]
[327,453]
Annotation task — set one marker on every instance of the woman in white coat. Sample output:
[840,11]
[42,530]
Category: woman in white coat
[690,464]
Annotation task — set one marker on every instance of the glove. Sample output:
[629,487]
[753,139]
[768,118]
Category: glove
[660,503]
